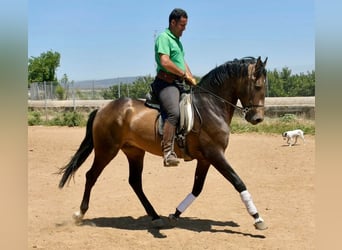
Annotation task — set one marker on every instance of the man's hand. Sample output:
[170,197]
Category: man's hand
[189,79]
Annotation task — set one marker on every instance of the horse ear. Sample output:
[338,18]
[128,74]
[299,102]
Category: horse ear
[265,61]
[259,60]
[258,63]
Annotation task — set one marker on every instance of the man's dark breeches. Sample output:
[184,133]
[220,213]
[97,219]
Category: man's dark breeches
[168,95]
[169,102]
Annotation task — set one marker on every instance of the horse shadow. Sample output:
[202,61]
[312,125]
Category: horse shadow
[187,223]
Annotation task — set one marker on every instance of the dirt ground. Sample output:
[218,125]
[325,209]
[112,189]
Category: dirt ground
[280,179]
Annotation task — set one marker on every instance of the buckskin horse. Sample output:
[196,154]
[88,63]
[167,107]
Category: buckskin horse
[127,124]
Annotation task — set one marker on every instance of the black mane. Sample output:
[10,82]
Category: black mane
[230,69]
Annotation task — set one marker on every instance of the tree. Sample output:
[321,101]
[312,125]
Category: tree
[283,83]
[43,68]
[141,87]
[285,78]
[275,84]
[64,82]
[60,92]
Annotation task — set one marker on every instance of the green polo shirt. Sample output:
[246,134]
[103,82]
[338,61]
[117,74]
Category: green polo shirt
[166,43]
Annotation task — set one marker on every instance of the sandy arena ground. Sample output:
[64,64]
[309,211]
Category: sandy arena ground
[280,179]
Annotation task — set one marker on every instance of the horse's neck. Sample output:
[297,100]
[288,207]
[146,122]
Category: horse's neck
[229,110]
[210,105]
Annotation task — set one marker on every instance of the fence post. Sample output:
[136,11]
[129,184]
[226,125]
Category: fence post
[119,90]
[73,95]
[45,101]
[93,94]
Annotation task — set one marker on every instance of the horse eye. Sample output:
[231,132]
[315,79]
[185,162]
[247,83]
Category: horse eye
[257,87]
[259,83]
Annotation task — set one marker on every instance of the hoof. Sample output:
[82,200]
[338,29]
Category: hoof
[260,225]
[78,217]
[173,220]
[158,223]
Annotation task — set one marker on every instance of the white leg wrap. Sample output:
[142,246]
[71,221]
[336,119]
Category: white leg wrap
[247,200]
[186,203]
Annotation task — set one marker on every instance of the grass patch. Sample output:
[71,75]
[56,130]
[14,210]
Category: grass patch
[68,118]
[273,125]
[34,118]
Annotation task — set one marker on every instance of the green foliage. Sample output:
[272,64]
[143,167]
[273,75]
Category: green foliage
[69,118]
[65,84]
[60,92]
[43,68]
[111,93]
[288,118]
[284,84]
[72,119]
[141,87]
[34,118]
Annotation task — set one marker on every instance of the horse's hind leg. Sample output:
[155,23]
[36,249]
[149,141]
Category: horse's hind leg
[99,163]
[135,158]
[200,176]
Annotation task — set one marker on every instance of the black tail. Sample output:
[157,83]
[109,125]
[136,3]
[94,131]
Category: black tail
[82,153]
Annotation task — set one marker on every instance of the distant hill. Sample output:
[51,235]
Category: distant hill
[104,83]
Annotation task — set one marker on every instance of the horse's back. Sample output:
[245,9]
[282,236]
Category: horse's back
[122,112]
[125,121]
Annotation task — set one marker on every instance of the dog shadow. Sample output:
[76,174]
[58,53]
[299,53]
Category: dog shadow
[287,145]
[187,223]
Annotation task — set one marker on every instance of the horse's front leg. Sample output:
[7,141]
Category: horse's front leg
[221,164]
[200,175]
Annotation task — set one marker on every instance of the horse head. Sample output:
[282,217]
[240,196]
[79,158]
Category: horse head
[252,90]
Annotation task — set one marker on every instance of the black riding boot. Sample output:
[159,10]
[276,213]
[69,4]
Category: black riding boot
[170,157]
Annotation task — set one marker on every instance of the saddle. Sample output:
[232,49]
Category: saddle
[186,120]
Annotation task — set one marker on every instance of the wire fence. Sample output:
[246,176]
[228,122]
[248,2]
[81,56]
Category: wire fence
[41,91]
[53,91]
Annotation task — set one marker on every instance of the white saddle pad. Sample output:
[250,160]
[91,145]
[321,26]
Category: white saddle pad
[186,113]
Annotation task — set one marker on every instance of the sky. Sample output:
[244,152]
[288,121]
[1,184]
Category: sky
[101,39]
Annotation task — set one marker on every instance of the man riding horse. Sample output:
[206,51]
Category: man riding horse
[172,70]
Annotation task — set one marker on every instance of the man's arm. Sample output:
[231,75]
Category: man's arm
[166,62]
[188,71]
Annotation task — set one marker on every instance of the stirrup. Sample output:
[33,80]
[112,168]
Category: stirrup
[171,160]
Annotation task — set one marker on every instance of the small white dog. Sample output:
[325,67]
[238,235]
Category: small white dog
[293,135]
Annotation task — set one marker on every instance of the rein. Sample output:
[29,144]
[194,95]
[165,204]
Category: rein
[244,110]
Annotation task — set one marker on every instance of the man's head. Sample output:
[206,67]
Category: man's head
[178,20]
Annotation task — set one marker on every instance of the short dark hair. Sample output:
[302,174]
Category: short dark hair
[176,14]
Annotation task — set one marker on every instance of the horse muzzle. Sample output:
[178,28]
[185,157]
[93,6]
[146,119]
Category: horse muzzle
[254,115]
